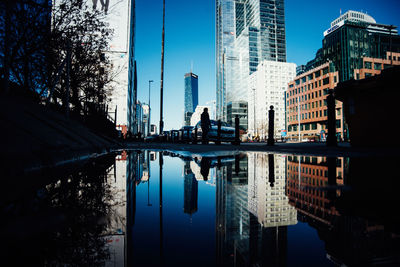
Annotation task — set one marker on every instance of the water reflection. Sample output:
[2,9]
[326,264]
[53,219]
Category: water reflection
[144,208]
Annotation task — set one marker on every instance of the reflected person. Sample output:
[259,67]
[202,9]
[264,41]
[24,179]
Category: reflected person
[205,165]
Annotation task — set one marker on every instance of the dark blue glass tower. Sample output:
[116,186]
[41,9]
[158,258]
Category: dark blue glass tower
[191,95]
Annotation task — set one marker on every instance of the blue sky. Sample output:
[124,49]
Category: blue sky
[190,37]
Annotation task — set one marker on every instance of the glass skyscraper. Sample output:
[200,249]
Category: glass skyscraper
[191,95]
[247,33]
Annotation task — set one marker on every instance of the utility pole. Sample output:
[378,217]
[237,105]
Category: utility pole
[162,72]
[148,119]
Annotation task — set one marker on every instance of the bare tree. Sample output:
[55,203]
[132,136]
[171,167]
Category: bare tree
[56,50]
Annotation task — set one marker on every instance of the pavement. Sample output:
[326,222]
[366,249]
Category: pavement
[310,148]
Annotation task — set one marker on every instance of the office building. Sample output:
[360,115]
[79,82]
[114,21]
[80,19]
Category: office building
[306,104]
[267,88]
[225,56]
[247,33]
[350,38]
[191,95]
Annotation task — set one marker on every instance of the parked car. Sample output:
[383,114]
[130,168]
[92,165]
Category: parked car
[185,130]
[227,132]
[151,138]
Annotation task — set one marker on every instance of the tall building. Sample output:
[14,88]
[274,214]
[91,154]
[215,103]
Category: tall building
[191,95]
[120,17]
[249,32]
[267,88]
[225,56]
[132,73]
[350,38]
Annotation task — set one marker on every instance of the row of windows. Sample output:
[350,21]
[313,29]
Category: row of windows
[310,86]
[307,116]
[306,97]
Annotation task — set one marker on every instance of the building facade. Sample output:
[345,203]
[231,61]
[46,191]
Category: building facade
[247,33]
[267,88]
[351,37]
[306,104]
[374,66]
[191,95]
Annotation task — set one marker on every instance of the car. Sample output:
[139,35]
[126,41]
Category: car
[151,138]
[227,132]
[187,132]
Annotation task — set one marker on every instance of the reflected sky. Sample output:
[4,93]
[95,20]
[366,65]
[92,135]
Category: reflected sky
[146,208]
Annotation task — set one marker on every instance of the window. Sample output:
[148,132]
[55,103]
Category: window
[368,65]
[325,81]
[325,71]
[377,66]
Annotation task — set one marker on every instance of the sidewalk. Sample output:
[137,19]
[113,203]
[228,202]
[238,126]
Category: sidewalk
[316,149]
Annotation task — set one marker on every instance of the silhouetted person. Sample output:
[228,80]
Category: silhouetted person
[205,125]
[205,165]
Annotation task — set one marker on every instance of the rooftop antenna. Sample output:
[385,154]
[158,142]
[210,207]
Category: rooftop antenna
[191,66]
[340,12]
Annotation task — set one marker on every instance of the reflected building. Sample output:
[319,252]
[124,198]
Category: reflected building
[190,190]
[253,211]
[306,178]
[351,238]
[116,231]
[267,198]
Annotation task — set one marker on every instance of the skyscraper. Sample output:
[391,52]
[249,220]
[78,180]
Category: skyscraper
[248,32]
[191,95]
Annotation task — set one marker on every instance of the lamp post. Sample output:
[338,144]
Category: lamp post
[162,72]
[148,119]
[254,111]
[298,114]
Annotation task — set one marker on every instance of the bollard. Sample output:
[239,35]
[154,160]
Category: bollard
[218,142]
[237,165]
[271,118]
[237,132]
[331,139]
[195,136]
[271,170]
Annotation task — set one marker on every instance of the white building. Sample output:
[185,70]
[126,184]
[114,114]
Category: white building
[267,87]
[269,203]
[197,114]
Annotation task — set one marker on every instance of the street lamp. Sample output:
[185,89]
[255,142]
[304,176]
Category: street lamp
[254,111]
[298,114]
[148,119]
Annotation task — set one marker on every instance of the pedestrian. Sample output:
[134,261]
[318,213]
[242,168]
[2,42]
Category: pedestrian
[205,125]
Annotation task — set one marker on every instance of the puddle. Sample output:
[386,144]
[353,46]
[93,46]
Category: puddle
[147,208]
